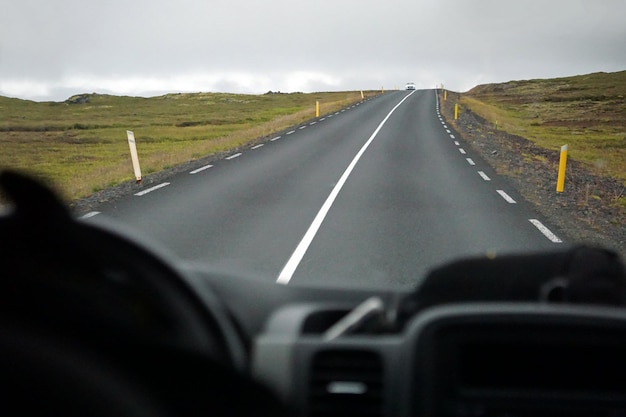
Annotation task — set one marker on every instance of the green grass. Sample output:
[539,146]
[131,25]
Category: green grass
[587,112]
[82,147]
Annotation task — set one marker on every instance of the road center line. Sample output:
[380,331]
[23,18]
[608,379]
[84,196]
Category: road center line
[195,171]
[149,190]
[506,197]
[546,232]
[303,246]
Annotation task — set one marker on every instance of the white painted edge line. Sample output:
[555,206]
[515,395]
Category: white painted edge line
[312,123]
[302,127]
[506,197]
[322,119]
[257,146]
[195,171]
[546,232]
[456,142]
[290,267]
[484,176]
[276,138]
[470,161]
[237,155]
[448,131]
[452,136]
[149,190]
[290,132]
[445,126]
[462,151]
[90,214]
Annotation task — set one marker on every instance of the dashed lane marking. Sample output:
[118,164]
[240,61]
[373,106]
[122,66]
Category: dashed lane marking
[506,197]
[149,190]
[90,214]
[195,171]
[546,232]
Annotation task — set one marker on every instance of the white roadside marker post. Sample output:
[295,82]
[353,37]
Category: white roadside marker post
[133,155]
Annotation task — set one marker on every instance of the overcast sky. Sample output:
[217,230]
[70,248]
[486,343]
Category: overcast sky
[50,50]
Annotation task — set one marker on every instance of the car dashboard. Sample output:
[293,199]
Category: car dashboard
[496,359]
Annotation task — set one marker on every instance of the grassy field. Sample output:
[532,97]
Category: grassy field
[587,112]
[80,145]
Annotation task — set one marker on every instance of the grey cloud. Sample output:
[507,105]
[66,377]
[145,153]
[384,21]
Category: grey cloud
[55,46]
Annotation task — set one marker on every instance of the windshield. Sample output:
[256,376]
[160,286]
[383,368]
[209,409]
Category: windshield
[282,141]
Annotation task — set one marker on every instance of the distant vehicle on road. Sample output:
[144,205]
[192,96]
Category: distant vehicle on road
[410,86]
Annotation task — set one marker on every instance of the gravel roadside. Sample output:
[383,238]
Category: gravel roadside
[585,211]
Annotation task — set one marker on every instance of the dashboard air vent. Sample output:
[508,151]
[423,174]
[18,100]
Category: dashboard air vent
[346,383]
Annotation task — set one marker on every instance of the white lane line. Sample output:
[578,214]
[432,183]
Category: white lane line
[237,155]
[90,214]
[322,119]
[462,151]
[276,138]
[257,146]
[484,176]
[470,161]
[195,171]
[290,267]
[456,142]
[448,131]
[506,197]
[149,190]
[312,123]
[546,232]
[302,127]
[452,136]
[445,126]
[290,132]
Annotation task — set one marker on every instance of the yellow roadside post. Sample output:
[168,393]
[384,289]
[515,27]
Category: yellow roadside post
[445,95]
[317,108]
[560,183]
[456,111]
[362,95]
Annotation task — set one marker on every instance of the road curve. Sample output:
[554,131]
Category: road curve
[373,195]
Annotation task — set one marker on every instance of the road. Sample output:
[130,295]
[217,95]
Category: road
[373,195]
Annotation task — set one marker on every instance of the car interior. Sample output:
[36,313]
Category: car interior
[96,321]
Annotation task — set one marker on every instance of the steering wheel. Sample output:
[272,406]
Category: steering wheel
[85,309]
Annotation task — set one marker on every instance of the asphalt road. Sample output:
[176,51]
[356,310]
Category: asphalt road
[373,195]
